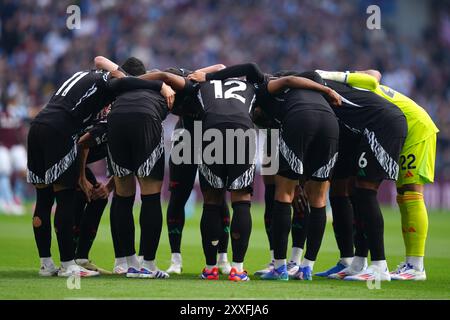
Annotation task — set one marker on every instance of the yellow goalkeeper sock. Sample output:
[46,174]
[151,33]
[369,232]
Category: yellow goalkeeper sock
[414,222]
[403,215]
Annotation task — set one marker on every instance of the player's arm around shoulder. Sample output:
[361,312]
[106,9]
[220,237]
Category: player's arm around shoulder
[367,79]
[294,82]
[213,68]
[105,64]
[176,82]
[250,71]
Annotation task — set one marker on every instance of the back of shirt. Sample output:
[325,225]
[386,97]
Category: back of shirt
[302,99]
[420,124]
[141,101]
[290,100]
[76,101]
[227,102]
[362,108]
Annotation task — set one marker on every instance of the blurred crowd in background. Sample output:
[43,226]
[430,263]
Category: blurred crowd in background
[38,51]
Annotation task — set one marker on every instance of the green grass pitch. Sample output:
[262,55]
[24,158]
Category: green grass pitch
[19,265]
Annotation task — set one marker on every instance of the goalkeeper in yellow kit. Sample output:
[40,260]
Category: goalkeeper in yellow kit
[417,162]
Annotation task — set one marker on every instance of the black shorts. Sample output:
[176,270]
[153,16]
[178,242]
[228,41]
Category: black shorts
[308,145]
[371,155]
[236,173]
[135,145]
[51,157]
[97,153]
[182,175]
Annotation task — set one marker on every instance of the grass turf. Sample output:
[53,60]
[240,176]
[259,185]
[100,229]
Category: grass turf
[19,265]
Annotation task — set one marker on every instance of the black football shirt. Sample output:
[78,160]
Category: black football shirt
[227,101]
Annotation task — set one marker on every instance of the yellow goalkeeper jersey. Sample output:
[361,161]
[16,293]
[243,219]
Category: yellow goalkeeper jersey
[420,124]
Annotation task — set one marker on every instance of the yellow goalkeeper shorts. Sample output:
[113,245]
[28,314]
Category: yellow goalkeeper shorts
[417,163]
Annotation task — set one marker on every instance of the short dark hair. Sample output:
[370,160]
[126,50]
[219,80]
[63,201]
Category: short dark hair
[133,66]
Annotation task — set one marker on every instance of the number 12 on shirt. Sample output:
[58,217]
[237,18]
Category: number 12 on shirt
[237,86]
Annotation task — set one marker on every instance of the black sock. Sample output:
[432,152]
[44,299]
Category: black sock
[122,215]
[316,229]
[223,241]
[343,224]
[300,220]
[42,226]
[89,226]
[269,198]
[151,224]
[281,226]
[176,217]
[241,228]
[78,207]
[118,252]
[368,207]
[359,238]
[64,221]
[211,230]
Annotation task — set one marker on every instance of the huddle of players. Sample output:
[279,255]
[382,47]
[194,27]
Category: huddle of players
[316,120]
[371,149]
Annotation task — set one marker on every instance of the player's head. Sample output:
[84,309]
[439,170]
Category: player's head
[261,119]
[133,66]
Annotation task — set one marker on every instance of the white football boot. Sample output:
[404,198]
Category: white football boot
[292,268]
[176,264]
[406,271]
[371,273]
[78,271]
[48,270]
[120,266]
[269,268]
[348,271]
[156,274]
